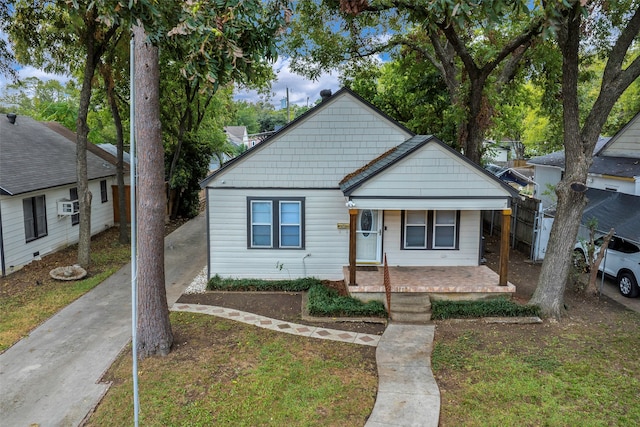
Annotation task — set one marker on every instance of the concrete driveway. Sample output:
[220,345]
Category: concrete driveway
[51,377]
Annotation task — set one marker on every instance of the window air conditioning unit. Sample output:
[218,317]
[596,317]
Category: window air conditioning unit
[68,207]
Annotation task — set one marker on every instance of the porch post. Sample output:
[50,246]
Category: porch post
[353,217]
[504,246]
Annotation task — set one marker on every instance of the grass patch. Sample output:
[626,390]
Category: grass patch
[217,283]
[556,375]
[228,374]
[498,307]
[30,296]
[323,301]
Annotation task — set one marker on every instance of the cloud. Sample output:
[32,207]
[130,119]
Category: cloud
[301,90]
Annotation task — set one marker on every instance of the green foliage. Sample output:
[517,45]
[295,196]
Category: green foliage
[298,285]
[324,301]
[501,307]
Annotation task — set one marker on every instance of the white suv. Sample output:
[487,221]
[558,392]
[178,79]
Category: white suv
[621,261]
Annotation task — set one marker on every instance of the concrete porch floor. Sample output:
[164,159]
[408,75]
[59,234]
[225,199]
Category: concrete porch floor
[468,282]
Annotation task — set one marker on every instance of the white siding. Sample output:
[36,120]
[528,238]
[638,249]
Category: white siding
[318,151]
[60,232]
[546,177]
[467,254]
[433,172]
[620,185]
[627,142]
[326,246]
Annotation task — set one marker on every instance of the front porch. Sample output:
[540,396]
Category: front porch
[451,283]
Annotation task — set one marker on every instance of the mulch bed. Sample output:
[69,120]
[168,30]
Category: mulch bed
[285,306]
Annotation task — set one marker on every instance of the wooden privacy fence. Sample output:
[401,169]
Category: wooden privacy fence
[524,219]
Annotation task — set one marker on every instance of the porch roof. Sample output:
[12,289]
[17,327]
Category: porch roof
[470,203]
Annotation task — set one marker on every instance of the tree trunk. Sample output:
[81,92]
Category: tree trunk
[82,130]
[154,328]
[117,121]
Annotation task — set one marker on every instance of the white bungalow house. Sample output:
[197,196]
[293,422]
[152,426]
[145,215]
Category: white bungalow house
[38,191]
[336,190]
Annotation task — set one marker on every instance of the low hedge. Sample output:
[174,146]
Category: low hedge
[321,301]
[217,283]
[499,307]
[324,301]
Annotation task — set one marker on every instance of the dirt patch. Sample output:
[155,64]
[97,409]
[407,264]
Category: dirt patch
[286,306]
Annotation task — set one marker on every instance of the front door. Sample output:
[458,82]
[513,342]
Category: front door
[369,236]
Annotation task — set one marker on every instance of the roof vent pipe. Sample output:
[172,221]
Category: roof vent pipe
[325,94]
[12,118]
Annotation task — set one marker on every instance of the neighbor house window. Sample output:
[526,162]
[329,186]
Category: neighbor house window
[430,229]
[35,217]
[73,195]
[275,223]
[104,197]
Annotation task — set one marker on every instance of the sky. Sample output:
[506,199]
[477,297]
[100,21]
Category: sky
[301,90]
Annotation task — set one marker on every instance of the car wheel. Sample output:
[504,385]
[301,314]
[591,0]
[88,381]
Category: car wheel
[628,285]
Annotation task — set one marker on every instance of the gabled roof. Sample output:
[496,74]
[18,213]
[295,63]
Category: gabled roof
[236,134]
[630,131]
[615,210]
[616,156]
[556,158]
[35,157]
[352,181]
[322,105]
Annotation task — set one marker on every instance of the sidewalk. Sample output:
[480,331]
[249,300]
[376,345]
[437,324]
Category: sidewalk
[51,377]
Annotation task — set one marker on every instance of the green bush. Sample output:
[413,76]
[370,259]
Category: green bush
[324,301]
[217,283]
[499,307]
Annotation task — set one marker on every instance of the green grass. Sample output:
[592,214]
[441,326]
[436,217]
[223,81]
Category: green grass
[27,307]
[579,374]
[229,374]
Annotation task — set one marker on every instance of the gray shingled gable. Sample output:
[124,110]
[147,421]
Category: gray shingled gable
[290,125]
[359,177]
[626,167]
[34,157]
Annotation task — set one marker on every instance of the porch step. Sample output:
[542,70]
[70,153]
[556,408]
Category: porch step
[410,307]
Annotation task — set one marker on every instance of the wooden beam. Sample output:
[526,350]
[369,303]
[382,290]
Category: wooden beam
[353,218]
[504,246]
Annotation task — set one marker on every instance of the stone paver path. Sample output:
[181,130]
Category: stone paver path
[280,325]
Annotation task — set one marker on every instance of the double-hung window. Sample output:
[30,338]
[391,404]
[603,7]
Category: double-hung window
[444,230]
[430,229]
[35,217]
[415,235]
[275,223]
[73,195]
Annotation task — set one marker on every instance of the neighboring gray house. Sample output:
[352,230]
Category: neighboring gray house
[286,208]
[615,169]
[616,165]
[38,191]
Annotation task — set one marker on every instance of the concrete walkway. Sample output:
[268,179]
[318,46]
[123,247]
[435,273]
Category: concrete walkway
[51,377]
[407,391]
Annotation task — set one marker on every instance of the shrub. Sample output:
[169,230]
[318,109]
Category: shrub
[486,308]
[324,301]
[217,283]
